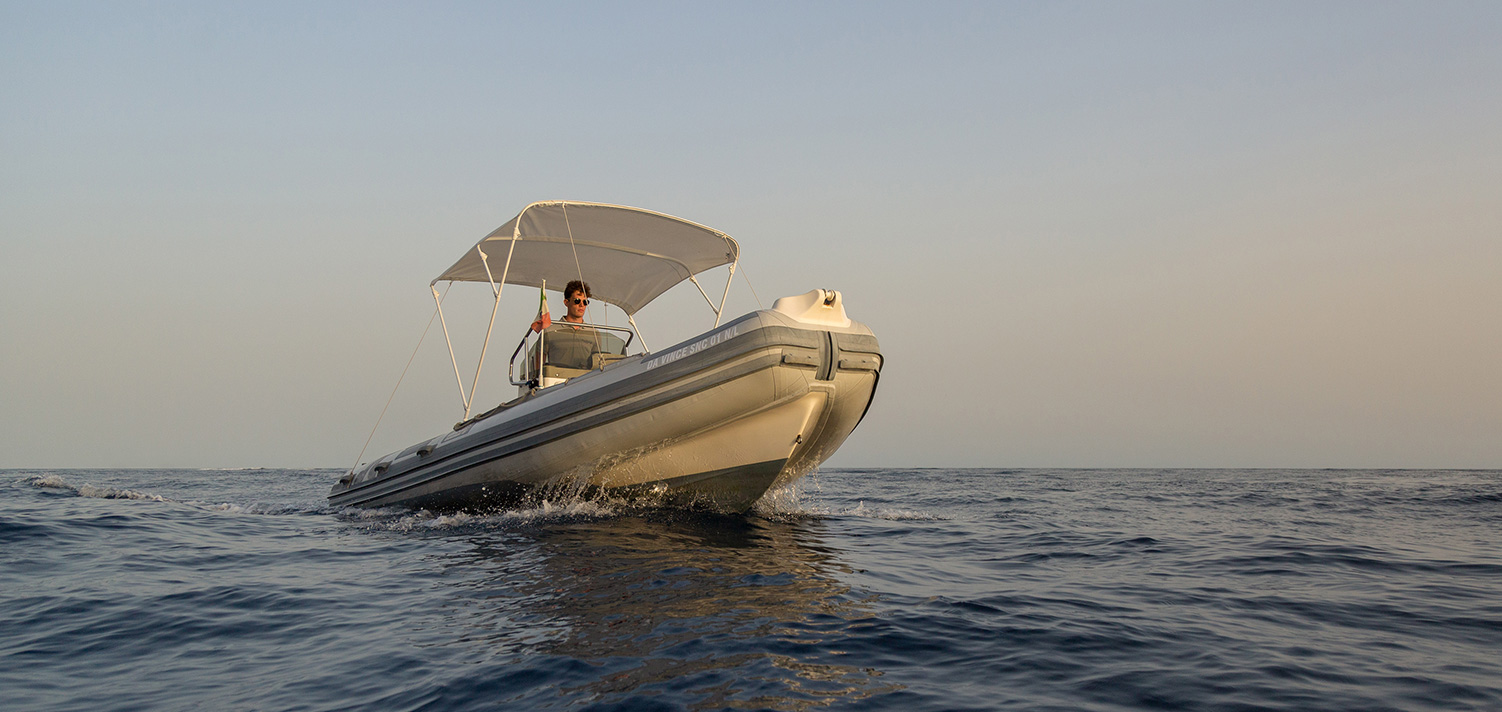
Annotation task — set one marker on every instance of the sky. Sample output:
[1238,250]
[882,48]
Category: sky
[1113,234]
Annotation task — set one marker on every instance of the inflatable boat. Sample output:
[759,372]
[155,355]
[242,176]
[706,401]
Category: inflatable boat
[715,421]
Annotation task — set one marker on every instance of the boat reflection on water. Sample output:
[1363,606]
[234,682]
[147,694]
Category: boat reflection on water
[696,610]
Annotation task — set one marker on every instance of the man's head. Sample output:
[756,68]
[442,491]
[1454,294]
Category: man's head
[576,298]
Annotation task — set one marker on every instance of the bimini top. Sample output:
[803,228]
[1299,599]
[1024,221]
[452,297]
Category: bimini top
[628,256]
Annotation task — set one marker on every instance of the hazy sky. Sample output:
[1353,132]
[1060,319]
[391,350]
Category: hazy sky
[1099,234]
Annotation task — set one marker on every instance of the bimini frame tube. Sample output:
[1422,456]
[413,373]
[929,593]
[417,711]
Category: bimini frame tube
[475,384]
[719,311]
[436,300]
[728,280]
[707,300]
[632,321]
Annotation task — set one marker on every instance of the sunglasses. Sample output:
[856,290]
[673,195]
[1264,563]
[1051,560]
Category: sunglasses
[577,300]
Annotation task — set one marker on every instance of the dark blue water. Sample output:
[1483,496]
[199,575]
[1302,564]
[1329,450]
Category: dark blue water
[869,589]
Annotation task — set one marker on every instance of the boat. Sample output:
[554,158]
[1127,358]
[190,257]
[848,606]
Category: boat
[714,422]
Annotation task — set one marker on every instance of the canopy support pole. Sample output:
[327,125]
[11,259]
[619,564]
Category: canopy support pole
[639,337]
[439,302]
[515,235]
[728,280]
[706,298]
[475,384]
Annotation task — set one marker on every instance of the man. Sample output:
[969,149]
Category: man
[570,344]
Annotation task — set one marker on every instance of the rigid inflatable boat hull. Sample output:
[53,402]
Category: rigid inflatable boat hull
[713,422]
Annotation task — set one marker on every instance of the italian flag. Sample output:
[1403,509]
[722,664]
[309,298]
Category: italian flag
[544,319]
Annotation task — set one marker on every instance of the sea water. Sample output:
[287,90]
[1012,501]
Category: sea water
[882,589]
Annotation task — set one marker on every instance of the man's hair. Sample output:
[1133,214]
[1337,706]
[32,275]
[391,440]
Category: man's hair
[576,286]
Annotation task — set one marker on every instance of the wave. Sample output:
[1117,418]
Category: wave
[794,501]
[547,511]
[261,507]
[91,491]
[889,513]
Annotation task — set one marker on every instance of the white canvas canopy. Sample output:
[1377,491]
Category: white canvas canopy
[629,256]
